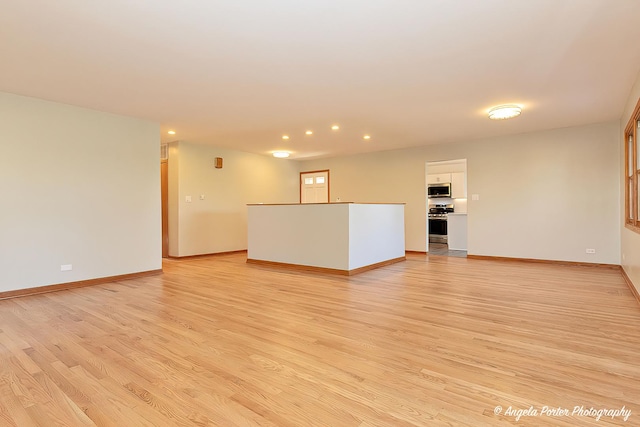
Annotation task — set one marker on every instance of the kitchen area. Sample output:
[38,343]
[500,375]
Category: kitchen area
[446,185]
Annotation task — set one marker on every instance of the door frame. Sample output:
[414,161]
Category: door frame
[164,196]
[432,163]
[328,184]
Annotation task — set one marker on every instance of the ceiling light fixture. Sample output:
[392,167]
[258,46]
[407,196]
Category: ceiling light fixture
[285,136]
[172,132]
[335,127]
[281,154]
[367,137]
[502,112]
[309,132]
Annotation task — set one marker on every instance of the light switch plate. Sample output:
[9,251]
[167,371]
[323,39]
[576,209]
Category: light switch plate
[187,199]
[66,267]
[475,197]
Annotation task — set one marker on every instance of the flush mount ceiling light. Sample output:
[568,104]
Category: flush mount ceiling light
[367,137]
[285,136]
[281,154]
[172,132]
[502,112]
[335,127]
[309,132]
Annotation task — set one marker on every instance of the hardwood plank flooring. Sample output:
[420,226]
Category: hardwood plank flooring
[437,341]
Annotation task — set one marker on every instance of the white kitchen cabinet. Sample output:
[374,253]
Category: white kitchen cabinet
[438,178]
[458,185]
[457,231]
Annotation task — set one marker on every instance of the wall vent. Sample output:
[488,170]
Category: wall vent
[164,151]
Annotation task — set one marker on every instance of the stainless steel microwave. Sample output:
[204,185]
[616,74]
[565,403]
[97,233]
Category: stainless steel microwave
[441,189]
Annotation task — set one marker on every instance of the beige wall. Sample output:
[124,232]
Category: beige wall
[78,187]
[219,222]
[173,177]
[545,195]
[81,187]
[630,241]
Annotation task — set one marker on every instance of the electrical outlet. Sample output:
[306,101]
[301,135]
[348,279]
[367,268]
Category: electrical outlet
[591,251]
[66,267]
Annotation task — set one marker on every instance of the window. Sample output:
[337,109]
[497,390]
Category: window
[320,180]
[632,171]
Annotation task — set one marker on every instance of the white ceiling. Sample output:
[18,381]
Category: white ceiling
[239,74]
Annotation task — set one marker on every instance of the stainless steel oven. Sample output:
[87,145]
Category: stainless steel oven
[438,223]
[437,230]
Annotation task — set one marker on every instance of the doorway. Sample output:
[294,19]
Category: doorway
[314,186]
[446,190]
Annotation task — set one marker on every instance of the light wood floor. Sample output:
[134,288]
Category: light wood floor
[426,342]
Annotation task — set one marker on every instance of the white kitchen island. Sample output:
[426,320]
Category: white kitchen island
[344,238]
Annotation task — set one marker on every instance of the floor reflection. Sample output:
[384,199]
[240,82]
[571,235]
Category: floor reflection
[443,249]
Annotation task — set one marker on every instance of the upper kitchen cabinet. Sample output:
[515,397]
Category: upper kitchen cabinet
[438,178]
[458,185]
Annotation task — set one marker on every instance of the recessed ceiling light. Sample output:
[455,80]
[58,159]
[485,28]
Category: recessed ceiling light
[172,132]
[502,112]
[366,137]
[335,127]
[281,154]
[285,136]
[309,132]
